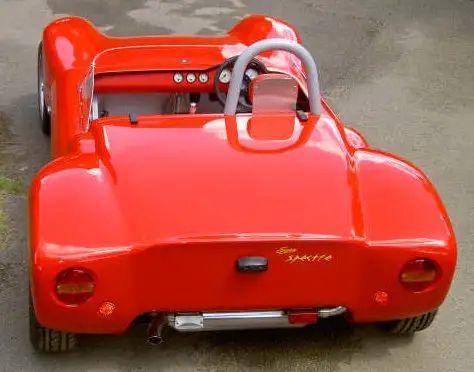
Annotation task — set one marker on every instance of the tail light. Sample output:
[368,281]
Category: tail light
[419,274]
[74,286]
[302,317]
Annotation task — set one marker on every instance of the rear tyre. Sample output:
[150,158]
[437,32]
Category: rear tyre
[410,325]
[43,113]
[46,340]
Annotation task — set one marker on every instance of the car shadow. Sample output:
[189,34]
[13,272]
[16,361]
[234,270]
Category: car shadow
[330,343]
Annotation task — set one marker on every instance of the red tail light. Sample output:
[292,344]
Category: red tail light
[74,286]
[302,317]
[418,274]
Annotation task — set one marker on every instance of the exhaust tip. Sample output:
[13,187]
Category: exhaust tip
[155,340]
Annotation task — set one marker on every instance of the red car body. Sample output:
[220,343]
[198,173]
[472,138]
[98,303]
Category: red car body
[157,212]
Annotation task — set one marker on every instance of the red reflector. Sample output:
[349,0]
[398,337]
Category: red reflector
[419,274]
[302,317]
[74,286]
[106,309]
[381,297]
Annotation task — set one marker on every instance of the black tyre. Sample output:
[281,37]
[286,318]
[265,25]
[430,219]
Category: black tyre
[411,325]
[48,341]
[44,117]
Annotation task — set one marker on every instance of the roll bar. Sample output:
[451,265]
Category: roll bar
[273,44]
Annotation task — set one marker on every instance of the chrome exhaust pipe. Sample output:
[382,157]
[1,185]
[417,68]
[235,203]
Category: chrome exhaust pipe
[155,329]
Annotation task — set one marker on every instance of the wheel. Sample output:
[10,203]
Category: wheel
[46,340]
[410,325]
[44,117]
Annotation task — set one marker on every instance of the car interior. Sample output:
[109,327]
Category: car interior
[191,92]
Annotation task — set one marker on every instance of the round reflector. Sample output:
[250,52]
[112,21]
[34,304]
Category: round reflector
[381,297]
[418,274]
[106,309]
[74,286]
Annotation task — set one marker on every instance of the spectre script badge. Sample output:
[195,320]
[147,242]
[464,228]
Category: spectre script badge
[292,256]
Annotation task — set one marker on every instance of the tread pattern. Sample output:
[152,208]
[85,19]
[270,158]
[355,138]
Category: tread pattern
[50,341]
[412,325]
[47,340]
[45,120]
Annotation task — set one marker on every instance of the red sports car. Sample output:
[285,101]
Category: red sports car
[203,183]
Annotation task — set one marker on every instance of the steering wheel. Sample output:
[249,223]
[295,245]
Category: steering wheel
[244,104]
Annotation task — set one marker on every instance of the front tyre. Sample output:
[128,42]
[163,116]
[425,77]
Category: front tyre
[43,113]
[410,325]
[46,340]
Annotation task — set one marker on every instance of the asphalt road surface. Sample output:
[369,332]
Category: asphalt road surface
[402,72]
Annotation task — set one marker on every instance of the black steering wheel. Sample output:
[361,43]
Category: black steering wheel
[244,104]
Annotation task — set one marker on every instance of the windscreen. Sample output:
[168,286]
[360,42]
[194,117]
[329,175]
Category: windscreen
[86,93]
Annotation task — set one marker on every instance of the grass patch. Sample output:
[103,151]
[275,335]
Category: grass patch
[3,227]
[10,186]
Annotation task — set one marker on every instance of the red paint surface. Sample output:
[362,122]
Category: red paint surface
[159,211]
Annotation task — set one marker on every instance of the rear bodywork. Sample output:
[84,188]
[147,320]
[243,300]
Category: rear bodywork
[159,212]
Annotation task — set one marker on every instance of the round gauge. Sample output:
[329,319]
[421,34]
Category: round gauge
[178,77]
[251,73]
[191,77]
[203,78]
[225,76]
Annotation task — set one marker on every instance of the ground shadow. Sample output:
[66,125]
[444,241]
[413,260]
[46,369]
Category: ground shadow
[329,344]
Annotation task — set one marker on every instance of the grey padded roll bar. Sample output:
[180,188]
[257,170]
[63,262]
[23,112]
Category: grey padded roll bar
[271,44]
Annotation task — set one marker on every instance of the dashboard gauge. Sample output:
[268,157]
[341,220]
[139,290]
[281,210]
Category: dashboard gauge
[225,76]
[178,77]
[251,73]
[203,78]
[191,77]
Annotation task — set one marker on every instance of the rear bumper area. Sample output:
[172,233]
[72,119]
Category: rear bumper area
[219,321]
[202,278]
